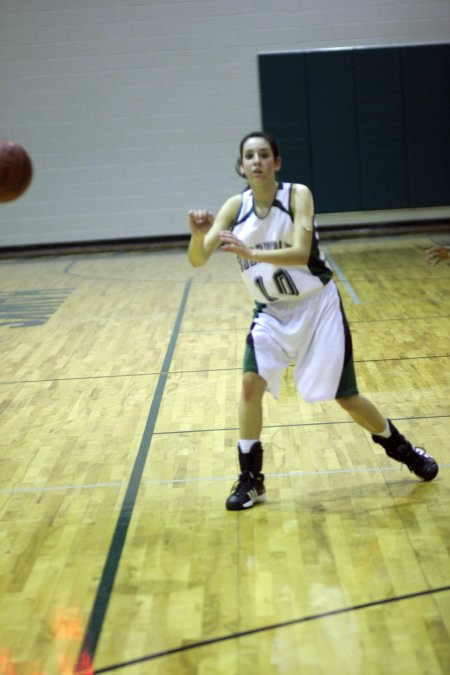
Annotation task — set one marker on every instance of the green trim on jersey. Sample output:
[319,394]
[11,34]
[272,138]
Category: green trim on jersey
[316,264]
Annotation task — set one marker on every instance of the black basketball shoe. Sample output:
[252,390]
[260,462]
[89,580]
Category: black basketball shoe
[249,488]
[416,459]
[247,491]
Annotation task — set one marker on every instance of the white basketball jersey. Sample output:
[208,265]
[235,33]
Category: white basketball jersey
[266,282]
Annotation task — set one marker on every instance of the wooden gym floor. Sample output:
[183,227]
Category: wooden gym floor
[120,376]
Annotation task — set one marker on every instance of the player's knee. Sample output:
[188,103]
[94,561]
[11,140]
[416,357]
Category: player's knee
[348,403]
[253,386]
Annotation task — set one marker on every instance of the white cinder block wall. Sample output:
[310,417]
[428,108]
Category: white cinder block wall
[132,110]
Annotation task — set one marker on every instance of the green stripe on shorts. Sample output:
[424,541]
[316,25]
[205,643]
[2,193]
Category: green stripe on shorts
[250,364]
[347,384]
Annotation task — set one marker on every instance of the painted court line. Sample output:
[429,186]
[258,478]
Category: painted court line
[103,595]
[342,277]
[206,479]
[348,609]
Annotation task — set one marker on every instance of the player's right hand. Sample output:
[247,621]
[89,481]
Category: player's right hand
[200,221]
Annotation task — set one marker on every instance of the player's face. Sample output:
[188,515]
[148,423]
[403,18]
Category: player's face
[258,162]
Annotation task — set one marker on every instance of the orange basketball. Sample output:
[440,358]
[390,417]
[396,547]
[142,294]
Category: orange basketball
[16,170]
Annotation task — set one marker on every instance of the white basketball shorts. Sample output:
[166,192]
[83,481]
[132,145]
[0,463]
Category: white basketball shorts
[313,334]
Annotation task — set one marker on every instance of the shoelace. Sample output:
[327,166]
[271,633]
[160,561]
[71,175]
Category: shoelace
[243,484]
[415,457]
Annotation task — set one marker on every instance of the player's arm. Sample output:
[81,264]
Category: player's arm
[298,254]
[205,230]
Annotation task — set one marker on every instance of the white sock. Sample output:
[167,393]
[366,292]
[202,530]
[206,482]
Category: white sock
[386,433]
[246,445]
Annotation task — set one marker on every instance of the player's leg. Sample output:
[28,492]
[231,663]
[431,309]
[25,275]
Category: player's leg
[264,361]
[384,432]
[249,488]
[250,405]
[330,366]
[363,412]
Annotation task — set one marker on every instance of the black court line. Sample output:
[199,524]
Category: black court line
[239,368]
[151,373]
[274,626]
[150,280]
[101,602]
[296,425]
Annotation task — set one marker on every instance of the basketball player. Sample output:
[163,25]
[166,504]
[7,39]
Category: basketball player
[298,315]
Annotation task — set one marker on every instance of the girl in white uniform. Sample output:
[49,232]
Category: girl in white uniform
[298,316]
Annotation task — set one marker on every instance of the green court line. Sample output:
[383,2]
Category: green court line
[103,595]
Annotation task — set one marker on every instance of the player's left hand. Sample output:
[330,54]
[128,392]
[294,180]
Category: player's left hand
[231,244]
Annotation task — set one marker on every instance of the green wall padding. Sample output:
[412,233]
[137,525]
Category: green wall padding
[365,129]
[336,175]
[292,128]
[426,81]
[381,138]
